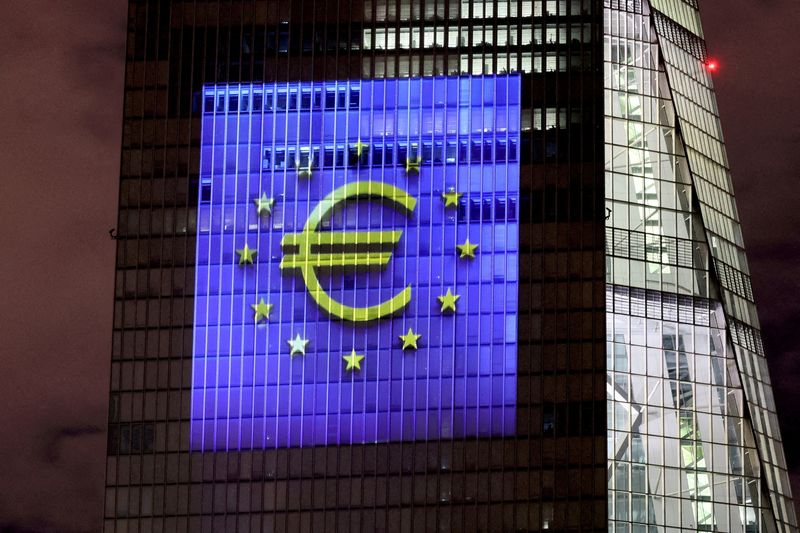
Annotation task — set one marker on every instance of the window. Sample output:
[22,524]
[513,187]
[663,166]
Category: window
[451,154]
[528,8]
[305,100]
[527,35]
[502,8]
[280,159]
[328,157]
[380,39]
[551,34]
[377,154]
[502,36]
[404,38]
[330,99]
[537,120]
[452,38]
[500,153]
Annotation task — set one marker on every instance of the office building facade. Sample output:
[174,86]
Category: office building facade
[433,265]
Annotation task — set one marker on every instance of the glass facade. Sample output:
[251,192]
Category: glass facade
[319,162]
[303,340]
[693,440]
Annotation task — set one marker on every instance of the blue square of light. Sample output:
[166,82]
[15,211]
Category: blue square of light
[340,294]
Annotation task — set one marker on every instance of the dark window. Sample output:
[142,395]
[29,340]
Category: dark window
[402,153]
[355,98]
[487,151]
[377,154]
[328,161]
[305,101]
[500,151]
[413,151]
[304,158]
[476,152]
[330,99]
[451,156]
[427,151]
[283,40]
[280,159]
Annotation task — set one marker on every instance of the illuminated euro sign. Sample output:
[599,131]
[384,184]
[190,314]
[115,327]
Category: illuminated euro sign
[309,249]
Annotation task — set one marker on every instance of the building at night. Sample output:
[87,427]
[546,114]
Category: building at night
[432,265]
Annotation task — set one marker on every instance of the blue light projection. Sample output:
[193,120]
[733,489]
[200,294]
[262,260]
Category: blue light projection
[357,262]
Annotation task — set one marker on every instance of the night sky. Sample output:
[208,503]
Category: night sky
[61,64]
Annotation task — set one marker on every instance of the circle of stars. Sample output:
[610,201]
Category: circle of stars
[409,341]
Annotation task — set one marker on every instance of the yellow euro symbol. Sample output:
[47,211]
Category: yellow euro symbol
[357,249]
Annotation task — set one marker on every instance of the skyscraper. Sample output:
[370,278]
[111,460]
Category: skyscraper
[432,265]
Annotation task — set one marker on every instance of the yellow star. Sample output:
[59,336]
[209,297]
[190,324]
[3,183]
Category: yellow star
[412,165]
[298,345]
[451,198]
[246,255]
[264,204]
[448,301]
[360,147]
[353,360]
[262,310]
[467,249]
[410,339]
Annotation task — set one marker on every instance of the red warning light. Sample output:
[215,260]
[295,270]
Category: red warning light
[712,65]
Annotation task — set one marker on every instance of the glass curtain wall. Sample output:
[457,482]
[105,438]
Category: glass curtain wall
[682,450]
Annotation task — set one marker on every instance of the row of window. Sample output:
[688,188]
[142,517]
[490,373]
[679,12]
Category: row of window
[407,38]
[336,38]
[390,10]
[438,152]
[559,419]
[268,99]
[660,305]
[656,248]
[477,64]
